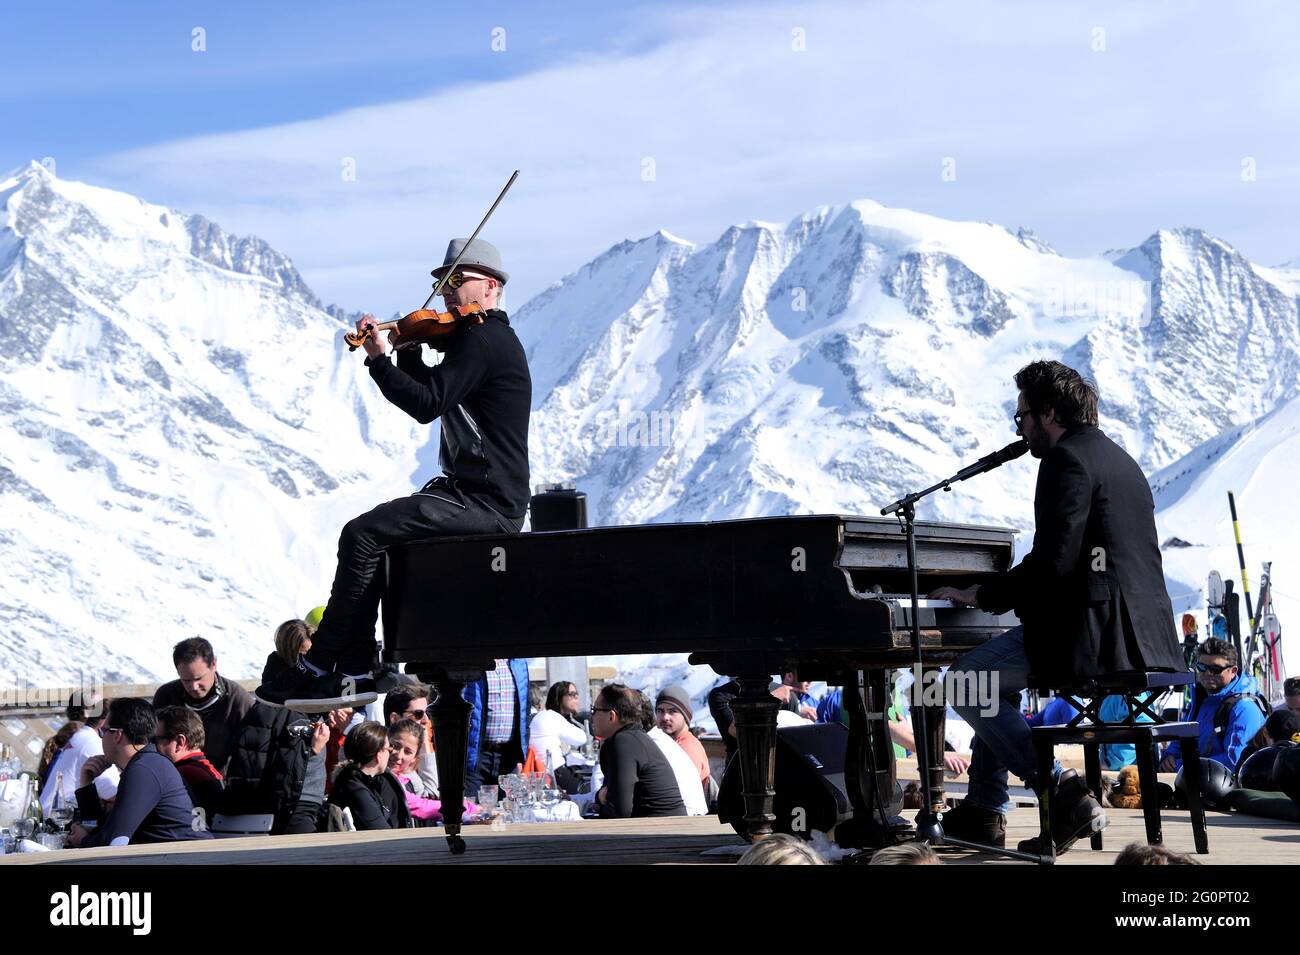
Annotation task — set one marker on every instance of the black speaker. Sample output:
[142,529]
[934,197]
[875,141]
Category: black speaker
[810,792]
[558,507]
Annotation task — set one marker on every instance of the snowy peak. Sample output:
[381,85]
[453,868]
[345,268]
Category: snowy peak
[860,350]
[162,459]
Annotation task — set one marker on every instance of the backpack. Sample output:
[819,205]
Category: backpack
[1224,712]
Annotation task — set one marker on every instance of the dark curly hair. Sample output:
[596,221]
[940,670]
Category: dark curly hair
[1049,384]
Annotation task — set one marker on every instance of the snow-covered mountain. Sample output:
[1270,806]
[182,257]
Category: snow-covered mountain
[186,433]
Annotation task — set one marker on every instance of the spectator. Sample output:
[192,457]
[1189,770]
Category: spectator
[152,804]
[1280,726]
[906,853]
[901,732]
[1137,853]
[179,737]
[555,730]
[720,698]
[780,849]
[412,703]
[220,703]
[292,640]
[84,744]
[53,746]
[498,723]
[1226,704]
[363,784]
[805,701]
[831,709]
[695,792]
[1291,692]
[277,766]
[638,778]
[339,730]
[406,745]
[673,715]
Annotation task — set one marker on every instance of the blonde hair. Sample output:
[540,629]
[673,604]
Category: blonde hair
[907,853]
[780,849]
[289,638]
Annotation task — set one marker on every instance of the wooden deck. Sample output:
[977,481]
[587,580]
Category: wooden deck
[1234,840]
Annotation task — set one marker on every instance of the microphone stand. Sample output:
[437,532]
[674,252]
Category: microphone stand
[929,825]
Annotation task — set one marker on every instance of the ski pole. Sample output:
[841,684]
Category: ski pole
[1241,559]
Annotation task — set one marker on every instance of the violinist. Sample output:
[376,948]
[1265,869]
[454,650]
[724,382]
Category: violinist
[481,394]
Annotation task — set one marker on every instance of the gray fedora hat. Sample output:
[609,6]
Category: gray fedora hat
[479,255]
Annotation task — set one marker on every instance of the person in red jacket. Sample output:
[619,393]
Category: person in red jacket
[179,737]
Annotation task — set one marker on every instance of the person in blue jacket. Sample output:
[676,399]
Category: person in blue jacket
[1223,735]
[498,723]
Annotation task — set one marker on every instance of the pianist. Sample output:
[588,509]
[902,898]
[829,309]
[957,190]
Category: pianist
[1090,596]
[482,393]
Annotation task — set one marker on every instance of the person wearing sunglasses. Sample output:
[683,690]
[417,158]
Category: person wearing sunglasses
[152,803]
[481,395]
[411,704]
[1227,705]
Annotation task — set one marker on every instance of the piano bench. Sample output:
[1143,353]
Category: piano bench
[1140,692]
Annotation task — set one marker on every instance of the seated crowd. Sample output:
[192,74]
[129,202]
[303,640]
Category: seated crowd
[143,771]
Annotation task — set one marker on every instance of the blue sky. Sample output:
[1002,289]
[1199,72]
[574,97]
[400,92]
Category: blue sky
[1093,124]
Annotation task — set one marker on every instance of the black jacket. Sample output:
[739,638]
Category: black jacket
[1091,593]
[639,777]
[269,757]
[482,393]
[377,802]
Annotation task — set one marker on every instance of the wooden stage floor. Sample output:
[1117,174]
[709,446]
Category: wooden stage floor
[1234,840]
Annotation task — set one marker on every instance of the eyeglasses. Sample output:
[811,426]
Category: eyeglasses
[417,715]
[110,729]
[1213,668]
[457,279]
[1020,416]
[601,709]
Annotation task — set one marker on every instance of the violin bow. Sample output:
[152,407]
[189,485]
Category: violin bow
[437,289]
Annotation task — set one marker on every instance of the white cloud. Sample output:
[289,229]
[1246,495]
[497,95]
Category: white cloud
[1090,149]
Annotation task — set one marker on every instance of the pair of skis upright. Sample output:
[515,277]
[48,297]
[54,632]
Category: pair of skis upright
[1261,652]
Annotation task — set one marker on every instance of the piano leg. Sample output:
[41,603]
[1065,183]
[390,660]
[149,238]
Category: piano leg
[755,711]
[936,719]
[450,714]
[869,747]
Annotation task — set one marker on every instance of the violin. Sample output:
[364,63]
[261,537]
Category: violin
[424,325]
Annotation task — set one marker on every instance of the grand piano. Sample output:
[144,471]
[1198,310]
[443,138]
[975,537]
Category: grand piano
[742,596]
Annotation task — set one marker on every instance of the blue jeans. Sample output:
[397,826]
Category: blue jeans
[1002,740]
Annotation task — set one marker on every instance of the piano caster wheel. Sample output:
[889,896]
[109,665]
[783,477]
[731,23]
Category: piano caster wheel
[456,844]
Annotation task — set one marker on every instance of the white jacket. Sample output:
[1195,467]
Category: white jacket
[84,744]
[551,734]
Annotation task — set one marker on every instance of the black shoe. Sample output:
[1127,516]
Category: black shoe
[1075,814]
[388,678]
[299,688]
[973,824]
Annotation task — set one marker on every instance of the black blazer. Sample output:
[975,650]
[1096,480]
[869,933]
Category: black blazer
[1091,593]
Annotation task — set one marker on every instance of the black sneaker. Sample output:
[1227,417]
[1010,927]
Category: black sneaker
[299,688]
[1075,814]
[973,824]
[388,678]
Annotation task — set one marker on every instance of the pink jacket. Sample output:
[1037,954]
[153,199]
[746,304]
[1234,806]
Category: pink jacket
[421,807]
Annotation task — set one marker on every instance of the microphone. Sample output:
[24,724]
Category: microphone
[990,461]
